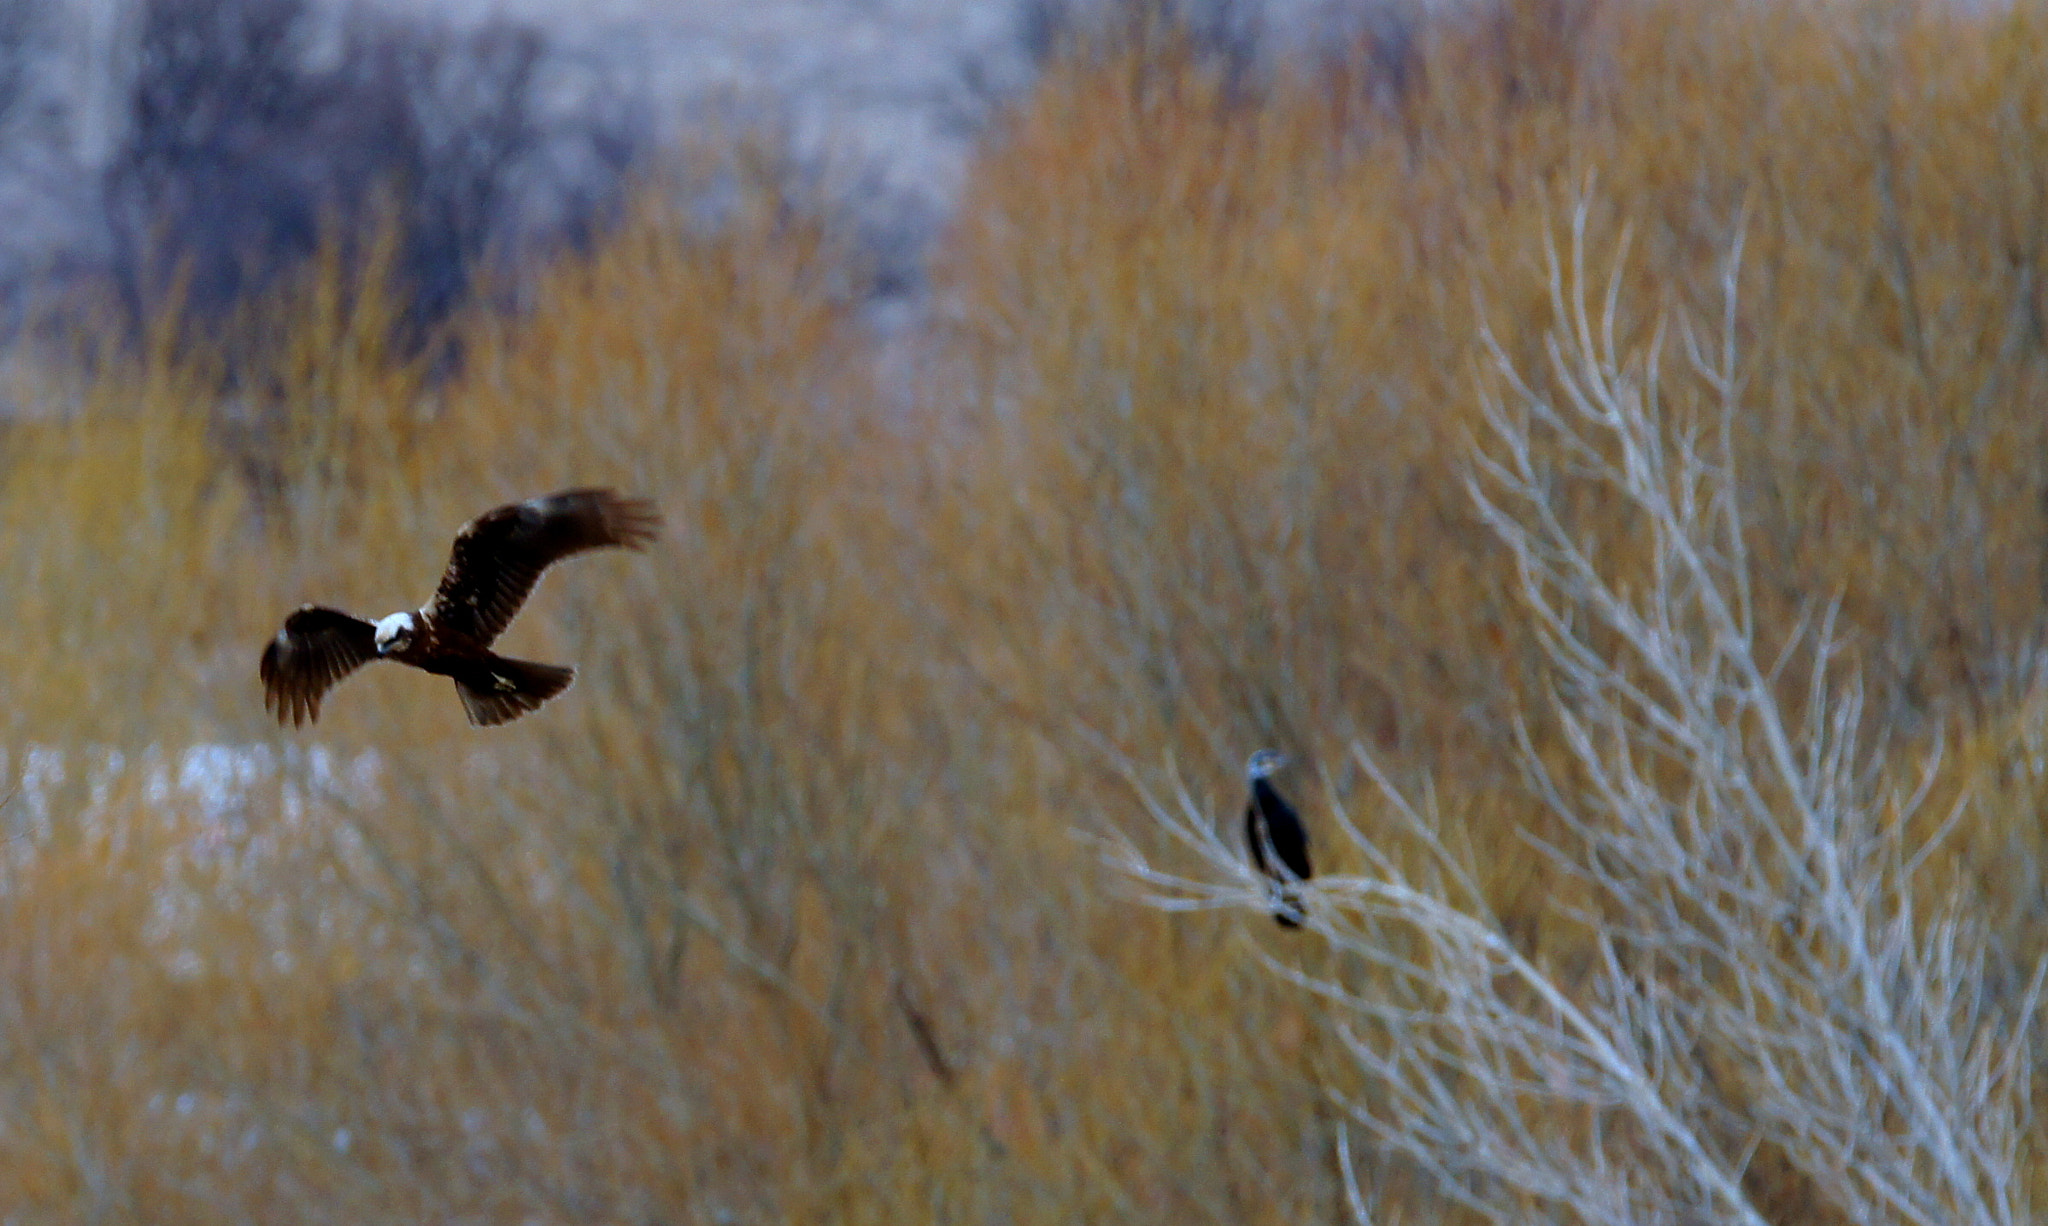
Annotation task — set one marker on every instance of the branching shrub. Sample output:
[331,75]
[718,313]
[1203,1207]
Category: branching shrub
[260,129]
[1771,984]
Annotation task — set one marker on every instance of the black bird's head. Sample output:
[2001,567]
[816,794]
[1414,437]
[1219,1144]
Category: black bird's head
[1264,764]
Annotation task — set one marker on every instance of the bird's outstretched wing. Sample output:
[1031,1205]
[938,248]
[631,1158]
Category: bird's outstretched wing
[316,648]
[500,554]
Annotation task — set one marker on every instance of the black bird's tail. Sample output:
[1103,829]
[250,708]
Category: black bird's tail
[1288,910]
[499,688]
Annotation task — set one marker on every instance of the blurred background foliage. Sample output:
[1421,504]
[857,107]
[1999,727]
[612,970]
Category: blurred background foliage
[781,913]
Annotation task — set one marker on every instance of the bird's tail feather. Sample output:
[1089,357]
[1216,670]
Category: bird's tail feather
[500,688]
[1288,910]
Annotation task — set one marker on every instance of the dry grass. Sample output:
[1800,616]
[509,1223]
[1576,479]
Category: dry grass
[781,913]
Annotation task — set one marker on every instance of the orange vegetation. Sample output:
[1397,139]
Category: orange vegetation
[788,910]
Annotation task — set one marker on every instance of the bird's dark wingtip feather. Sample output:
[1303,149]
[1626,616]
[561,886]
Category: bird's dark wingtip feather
[633,521]
[266,671]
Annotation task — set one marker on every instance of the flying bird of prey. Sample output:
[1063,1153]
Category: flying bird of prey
[1279,842]
[497,559]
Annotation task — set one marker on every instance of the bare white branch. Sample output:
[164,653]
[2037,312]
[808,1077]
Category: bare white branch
[1772,969]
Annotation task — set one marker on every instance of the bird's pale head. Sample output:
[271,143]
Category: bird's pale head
[1264,763]
[395,632]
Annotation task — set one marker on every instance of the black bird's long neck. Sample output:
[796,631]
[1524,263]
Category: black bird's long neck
[1267,799]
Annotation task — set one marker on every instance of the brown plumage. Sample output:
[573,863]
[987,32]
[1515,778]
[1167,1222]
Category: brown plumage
[497,559]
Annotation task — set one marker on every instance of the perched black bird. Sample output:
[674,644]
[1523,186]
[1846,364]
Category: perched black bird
[1272,825]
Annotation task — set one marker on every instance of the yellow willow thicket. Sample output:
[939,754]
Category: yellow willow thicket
[795,906]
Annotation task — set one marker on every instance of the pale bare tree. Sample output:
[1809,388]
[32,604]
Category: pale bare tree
[1773,966]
